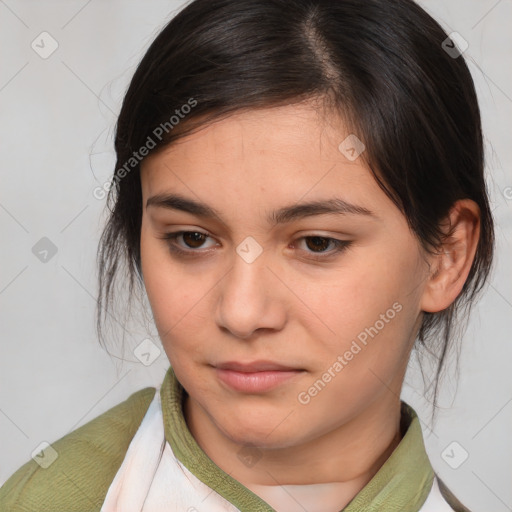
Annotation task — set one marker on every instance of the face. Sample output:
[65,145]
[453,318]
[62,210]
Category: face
[282,321]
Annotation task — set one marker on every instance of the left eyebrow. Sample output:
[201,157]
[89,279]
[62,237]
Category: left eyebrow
[281,216]
[329,206]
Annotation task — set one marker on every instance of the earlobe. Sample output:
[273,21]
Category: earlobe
[451,264]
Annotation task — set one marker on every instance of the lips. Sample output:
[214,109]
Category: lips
[255,366]
[255,377]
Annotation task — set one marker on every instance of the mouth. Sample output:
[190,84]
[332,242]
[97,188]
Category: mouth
[256,376]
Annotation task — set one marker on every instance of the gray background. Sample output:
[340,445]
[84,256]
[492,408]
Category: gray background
[56,132]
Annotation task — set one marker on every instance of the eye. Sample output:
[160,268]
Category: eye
[318,245]
[192,240]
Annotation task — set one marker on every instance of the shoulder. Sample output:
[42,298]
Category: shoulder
[87,461]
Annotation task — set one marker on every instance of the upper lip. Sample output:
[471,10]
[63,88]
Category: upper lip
[254,366]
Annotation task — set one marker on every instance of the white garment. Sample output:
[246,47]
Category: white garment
[148,482]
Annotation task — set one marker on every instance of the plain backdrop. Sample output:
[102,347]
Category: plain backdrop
[57,121]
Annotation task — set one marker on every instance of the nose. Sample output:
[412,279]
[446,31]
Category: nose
[250,299]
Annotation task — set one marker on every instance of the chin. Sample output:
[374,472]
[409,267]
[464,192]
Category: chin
[260,435]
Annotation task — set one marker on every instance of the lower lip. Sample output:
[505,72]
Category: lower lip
[255,382]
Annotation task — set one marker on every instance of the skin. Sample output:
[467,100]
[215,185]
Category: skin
[286,306]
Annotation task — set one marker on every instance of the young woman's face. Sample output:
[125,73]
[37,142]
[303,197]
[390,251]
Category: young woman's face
[282,321]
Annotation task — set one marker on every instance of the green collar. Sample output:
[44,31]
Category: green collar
[402,483]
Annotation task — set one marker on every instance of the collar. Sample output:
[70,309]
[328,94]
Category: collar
[402,483]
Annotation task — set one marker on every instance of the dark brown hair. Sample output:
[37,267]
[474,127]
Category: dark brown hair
[382,64]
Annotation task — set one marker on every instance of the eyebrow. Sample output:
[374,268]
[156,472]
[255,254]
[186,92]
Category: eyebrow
[283,215]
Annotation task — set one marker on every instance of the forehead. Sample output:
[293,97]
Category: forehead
[281,154]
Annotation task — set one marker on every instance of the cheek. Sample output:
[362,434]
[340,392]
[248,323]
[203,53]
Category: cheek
[357,295]
[180,295]
[371,311]
[173,292]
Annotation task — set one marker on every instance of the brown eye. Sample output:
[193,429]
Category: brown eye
[317,243]
[194,239]
[320,248]
[185,243]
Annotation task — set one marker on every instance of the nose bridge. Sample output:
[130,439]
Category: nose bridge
[245,301]
[244,282]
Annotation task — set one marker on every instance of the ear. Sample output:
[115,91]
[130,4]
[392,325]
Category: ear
[450,266]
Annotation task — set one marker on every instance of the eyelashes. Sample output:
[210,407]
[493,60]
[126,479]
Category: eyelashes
[171,239]
[198,238]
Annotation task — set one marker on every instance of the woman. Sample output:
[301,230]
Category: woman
[299,189]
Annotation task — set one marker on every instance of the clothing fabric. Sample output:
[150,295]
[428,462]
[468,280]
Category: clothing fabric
[140,457]
[142,482]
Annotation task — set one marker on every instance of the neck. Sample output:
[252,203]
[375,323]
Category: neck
[341,462]
[331,496]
